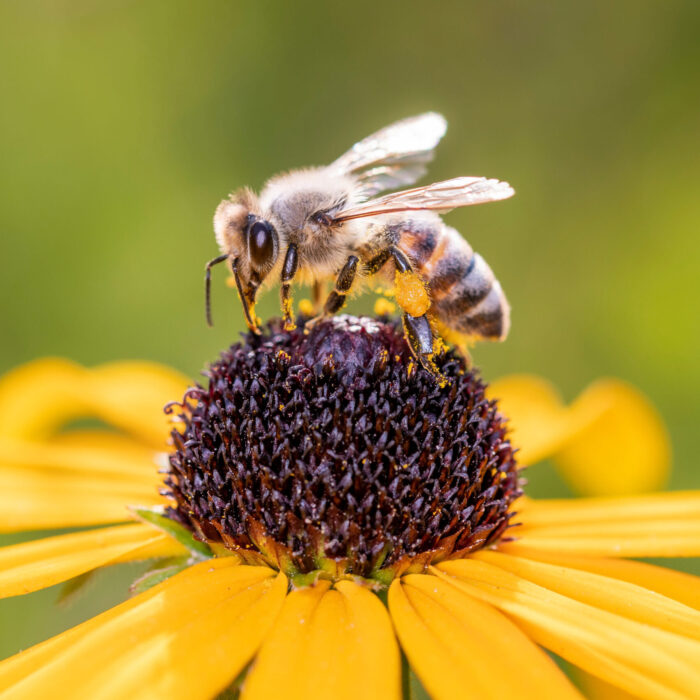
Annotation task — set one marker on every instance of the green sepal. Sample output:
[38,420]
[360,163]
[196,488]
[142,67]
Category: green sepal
[155,515]
[381,558]
[220,550]
[162,570]
[309,579]
[383,576]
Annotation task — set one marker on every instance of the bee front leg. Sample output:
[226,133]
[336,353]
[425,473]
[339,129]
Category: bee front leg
[336,299]
[247,298]
[289,270]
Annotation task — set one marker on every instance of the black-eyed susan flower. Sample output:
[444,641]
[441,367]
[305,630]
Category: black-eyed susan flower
[333,523]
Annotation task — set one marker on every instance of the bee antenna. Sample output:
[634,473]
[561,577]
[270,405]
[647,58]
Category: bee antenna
[207,285]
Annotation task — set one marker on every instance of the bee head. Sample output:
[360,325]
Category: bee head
[245,235]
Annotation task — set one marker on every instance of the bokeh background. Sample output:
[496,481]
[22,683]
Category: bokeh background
[125,122]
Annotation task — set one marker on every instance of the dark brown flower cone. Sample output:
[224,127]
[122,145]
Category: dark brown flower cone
[334,451]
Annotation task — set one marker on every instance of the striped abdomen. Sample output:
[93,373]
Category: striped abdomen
[465,295]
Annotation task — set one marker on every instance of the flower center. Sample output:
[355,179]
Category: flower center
[334,451]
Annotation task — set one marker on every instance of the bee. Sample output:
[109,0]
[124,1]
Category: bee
[324,224]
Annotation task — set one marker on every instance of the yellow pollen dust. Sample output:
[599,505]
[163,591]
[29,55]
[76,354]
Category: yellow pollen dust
[306,307]
[231,282]
[289,324]
[383,307]
[440,345]
[411,293]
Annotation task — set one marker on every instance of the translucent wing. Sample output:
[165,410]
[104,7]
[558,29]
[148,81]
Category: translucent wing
[395,156]
[440,197]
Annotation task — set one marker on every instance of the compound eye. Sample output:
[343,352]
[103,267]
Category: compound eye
[261,244]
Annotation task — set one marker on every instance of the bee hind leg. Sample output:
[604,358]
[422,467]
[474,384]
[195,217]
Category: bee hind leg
[419,336]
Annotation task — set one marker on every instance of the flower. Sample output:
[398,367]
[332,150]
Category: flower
[320,584]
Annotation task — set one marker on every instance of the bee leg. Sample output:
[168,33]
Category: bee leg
[377,263]
[409,288]
[413,298]
[336,299]
[317,293]
[289,269]
[247,298]
[419,335]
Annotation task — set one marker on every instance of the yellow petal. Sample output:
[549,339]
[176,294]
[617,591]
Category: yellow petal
[36,399]
[679,505]
[128,463]
[30,566]
[610,441]
[624,447]
[658,525]
[461,648]
[626,599]
[106,440]
[186,638]
[163,546]
[38,499]
[640,658]
[673,584]
[668,539]
[15,668]
[328,643]
[537,416]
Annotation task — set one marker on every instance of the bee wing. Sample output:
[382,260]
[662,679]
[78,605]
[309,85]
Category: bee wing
[394,156]
[440,197]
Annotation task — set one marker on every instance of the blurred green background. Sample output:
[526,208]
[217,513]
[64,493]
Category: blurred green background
[124,123]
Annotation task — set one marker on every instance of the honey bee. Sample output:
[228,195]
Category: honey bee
[327,224]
